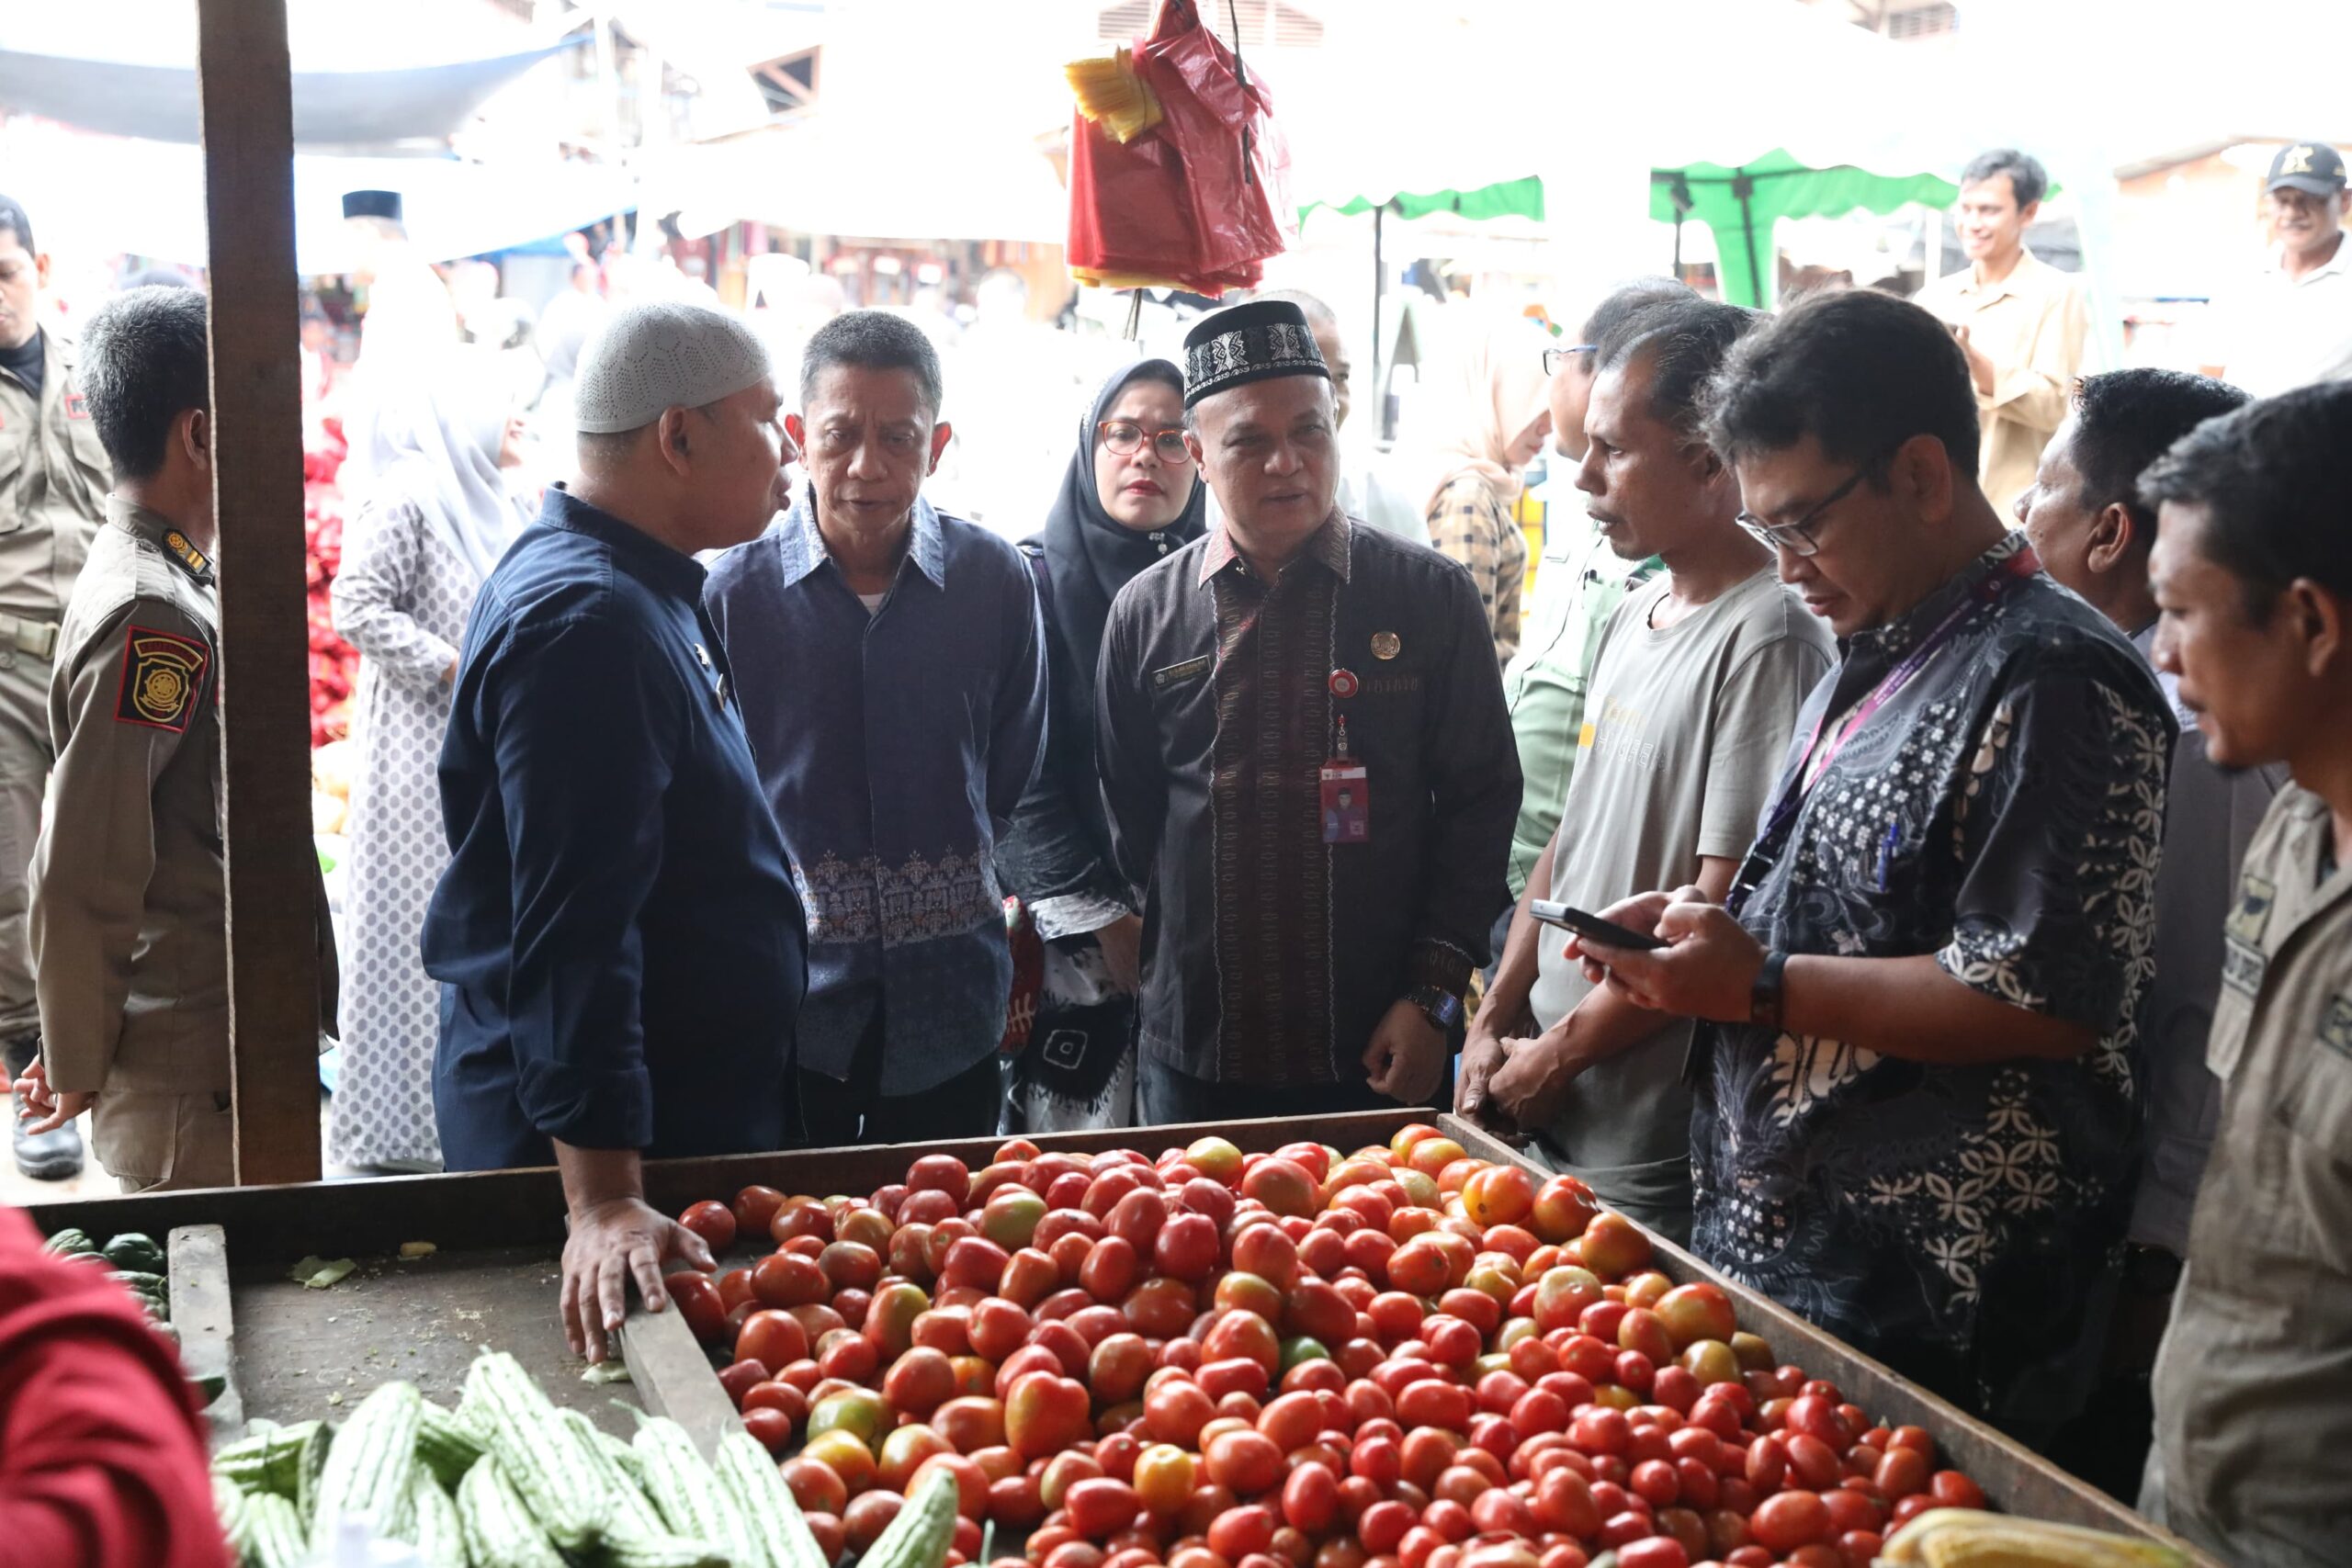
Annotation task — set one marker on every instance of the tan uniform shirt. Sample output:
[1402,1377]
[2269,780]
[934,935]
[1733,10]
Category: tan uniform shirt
[2254,1385]
[53,482]
[2032,325]
[128,900]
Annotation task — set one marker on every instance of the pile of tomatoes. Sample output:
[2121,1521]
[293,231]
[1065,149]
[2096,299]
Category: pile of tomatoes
[1402,1358]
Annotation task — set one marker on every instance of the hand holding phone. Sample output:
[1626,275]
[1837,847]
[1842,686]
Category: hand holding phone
[1590,926]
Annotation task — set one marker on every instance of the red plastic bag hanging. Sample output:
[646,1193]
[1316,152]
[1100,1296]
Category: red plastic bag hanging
[1220,116]
[1199,199]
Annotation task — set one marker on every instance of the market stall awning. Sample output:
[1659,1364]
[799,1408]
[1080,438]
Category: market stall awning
[1504,198]
[1741,203]
[77,184]
[331,109]
[818,175]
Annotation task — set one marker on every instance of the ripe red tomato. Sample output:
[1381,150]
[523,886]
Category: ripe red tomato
[772,1428]
[714,1222]
[1951,1489]
[698,1303]
[1101,1506]
[1238,1533]
[1789,1521]
[754,1210]
[1600,1430]
[1311,1499]
[1653,1551]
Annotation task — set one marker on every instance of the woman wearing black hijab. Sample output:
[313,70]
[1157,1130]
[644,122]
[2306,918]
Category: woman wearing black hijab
[1129,498]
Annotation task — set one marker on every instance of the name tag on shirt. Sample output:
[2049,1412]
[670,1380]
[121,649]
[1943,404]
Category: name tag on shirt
[1347,803]
[1176,674]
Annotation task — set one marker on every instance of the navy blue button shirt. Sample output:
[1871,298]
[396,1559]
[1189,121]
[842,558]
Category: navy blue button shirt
[617,935]
[894,746]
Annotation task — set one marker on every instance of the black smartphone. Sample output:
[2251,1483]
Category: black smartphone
[1569,918]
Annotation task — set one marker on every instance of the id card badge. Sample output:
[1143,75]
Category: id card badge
[1347,803]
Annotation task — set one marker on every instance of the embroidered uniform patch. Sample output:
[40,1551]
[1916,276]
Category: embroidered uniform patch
[2256,895]
[76,405]
[1170,675]
[163,675]
[2335,1024]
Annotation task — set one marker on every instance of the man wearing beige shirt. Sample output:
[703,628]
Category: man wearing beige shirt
[2020,321]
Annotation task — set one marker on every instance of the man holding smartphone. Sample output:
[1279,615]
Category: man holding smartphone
[1915,1102]
[1694,691]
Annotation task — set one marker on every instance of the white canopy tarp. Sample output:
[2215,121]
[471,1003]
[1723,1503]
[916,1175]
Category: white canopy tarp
[100,196]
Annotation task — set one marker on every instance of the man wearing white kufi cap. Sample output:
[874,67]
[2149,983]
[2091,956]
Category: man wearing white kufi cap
[617,934]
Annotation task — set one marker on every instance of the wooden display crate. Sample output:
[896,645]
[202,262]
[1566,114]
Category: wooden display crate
[294,1353]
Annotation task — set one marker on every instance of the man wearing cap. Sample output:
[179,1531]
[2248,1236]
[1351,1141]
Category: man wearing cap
[128,897]
[406,335]
[2291,326]
[616,933]
[1309,771]
[54,481]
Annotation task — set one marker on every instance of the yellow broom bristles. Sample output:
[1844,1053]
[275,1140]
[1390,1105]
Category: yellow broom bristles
[1111,94]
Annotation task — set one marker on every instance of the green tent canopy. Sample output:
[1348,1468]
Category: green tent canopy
[1741,204]
[1506,198]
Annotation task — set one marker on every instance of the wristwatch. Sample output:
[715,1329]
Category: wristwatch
[1442,1007]
[1765,996]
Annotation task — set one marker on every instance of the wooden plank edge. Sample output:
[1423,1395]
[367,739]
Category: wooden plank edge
[674,1377]
[197,1276]
[2050,1492]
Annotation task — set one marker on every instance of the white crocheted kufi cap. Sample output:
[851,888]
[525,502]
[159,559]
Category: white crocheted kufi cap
[663,355]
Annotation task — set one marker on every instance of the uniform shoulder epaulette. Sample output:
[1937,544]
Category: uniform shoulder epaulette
[198,564]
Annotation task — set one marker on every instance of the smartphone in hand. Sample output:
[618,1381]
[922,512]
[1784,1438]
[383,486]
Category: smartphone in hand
[1584,924]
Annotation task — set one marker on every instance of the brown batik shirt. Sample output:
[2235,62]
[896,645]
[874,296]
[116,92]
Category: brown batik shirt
[1270,955]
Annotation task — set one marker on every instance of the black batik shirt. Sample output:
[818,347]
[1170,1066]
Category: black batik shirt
[1270,955]
[2004,813]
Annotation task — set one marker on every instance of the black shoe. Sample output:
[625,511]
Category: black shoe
[53,1156]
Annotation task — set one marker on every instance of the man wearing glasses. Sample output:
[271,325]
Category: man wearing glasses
[1916,1099]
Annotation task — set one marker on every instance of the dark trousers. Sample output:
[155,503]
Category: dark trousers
[834,1113]
[1164,1095]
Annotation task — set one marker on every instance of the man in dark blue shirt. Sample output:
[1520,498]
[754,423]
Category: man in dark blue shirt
[617,934]
[894,686]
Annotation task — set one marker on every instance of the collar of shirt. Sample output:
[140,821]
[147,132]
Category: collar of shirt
[1329,545]
[1897,637]
[159,531]
[646,556]
[2335,266]
[801,547]
[2019,276]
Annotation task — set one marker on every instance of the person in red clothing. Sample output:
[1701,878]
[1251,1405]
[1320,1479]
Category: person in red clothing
[102,1461]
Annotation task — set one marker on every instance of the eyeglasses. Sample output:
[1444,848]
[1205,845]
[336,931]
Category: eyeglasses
[1555,357]
[1124,437]
[1797,537]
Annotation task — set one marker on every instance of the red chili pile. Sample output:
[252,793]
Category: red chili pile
[1402,1358]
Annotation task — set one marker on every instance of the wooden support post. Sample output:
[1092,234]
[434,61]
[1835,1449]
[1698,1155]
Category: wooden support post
[246,88]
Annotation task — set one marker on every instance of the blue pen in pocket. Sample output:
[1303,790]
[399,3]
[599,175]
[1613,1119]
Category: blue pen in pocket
[1886,851]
